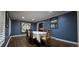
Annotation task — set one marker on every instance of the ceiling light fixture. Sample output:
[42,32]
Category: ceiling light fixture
[33,19]
[22,17]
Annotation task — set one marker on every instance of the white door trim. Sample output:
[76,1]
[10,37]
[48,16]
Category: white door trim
[9,26]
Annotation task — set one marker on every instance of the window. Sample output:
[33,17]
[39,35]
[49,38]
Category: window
[25,26]
[54,23]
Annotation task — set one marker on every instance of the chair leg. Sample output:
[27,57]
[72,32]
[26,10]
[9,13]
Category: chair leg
[36,42]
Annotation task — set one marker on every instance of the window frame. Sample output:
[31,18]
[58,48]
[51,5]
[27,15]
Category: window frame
[55,23]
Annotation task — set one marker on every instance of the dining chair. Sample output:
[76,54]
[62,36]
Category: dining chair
[30,36]
[45,39]
[48,38]
[26,34]
[36,42]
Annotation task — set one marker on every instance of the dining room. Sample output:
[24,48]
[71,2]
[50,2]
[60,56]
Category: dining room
[39,29]
[42,29]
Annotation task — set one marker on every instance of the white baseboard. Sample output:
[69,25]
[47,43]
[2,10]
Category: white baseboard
[8,42]
[64,40]
[18,35]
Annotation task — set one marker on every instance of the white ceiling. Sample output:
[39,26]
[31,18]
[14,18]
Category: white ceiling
[35,15]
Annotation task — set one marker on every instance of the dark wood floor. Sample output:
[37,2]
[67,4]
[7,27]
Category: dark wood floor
[56,43]
[19,42]
[22,42]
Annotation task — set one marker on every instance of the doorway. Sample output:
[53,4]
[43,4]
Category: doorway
[40,26]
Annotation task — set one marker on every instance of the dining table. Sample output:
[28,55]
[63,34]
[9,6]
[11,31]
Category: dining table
[38,34]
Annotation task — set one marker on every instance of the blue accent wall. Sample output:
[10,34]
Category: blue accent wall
[16,27]
[34,26]
[67,26]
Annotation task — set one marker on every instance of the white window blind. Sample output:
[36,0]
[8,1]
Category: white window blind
[2,27]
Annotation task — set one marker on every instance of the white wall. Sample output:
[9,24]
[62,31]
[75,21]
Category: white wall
[78,25]
[2,27]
